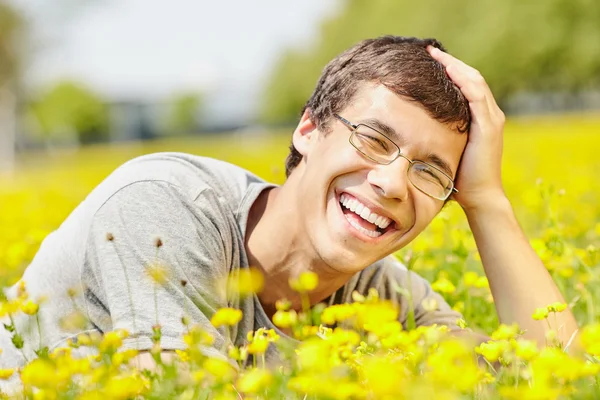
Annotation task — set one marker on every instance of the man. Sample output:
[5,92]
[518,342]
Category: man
[394,128]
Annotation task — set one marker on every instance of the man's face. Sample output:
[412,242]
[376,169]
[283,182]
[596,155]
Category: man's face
[332,167]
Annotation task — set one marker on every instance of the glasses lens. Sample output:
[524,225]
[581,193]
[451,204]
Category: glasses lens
[373,144]
[430,180]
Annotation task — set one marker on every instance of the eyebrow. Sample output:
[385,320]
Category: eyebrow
[392,134]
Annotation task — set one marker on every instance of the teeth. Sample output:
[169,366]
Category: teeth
[367,232]
[360,209]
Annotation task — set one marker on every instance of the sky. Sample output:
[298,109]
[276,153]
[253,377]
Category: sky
[150,49]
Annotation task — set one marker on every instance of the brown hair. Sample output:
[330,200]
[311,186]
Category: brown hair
[403,65]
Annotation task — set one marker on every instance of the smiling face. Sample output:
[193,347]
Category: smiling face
[333,172]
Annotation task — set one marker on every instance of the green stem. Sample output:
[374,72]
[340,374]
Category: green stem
[12,321]
[39,328]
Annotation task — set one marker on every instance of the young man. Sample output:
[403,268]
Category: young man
[394,128]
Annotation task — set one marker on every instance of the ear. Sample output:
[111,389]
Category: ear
[304,134]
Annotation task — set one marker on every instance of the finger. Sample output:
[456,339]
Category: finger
[473,87]
[447,59]
[461,72]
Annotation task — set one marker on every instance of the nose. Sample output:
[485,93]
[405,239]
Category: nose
[391,180]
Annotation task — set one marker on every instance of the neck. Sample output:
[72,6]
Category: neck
[277,245]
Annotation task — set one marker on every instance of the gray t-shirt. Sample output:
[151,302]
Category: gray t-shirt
[198,207]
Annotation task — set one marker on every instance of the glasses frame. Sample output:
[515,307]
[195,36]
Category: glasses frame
[354,128]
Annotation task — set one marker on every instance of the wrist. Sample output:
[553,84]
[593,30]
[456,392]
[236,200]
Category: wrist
[492,203]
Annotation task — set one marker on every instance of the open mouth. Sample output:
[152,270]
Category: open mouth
[362,219]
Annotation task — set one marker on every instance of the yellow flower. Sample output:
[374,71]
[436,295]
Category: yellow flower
[198,336]
[506,332]
[254,381]
[482,282]
[6,373]
[470,278]
[557,307]
[443,285]
[112,341]
[183,355]
[526,349]
[125,387]
[590,339]
[158,273]
[383,377]
[465,374]
[540,313]
[30,308]
[245,281]
[226,316]
[238,353]
[259,345]
[337,313]
[40,373]
[219,369]
[285,319]
[306,282]
[491,351]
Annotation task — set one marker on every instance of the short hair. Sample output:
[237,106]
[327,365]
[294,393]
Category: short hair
[403,65]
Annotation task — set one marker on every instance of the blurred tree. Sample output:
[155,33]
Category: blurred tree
[550,45]
[12,29]
[71,112]
[182,116]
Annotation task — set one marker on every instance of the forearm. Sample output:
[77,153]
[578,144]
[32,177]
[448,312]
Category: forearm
[518,279]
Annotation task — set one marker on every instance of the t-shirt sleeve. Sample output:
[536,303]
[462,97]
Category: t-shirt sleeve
[153,256]
[429,307]
[409,290]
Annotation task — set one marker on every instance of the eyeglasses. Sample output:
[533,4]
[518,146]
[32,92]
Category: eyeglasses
[378,148]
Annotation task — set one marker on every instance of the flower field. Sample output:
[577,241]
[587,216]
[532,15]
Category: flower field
[552,176]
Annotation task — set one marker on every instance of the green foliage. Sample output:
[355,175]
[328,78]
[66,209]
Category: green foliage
[551,45]
[182,116]
[70,111]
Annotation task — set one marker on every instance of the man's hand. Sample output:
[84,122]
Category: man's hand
[518,279]
[479,176]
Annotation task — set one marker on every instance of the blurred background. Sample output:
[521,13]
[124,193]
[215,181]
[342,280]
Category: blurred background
[88,84]
[105,71]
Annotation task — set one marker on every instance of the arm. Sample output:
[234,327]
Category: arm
[519,281]
[124,260]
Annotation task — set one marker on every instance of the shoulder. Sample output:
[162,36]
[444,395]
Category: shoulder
[189,172]
[187,176]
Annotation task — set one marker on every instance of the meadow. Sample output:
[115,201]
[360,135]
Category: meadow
[551,169]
